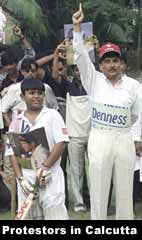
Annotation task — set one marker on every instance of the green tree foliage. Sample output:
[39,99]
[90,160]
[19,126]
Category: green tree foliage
[112,19]
[27,12]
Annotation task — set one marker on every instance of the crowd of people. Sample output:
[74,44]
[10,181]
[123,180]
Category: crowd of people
[90,116]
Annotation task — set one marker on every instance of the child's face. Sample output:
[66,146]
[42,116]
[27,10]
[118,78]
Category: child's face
[34,99]
[30,71]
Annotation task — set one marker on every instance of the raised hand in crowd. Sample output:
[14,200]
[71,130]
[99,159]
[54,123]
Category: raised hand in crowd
[18,32]
[59,54]
[78,18]
[60,51]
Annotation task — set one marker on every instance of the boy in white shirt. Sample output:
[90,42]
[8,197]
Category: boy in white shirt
[50,203]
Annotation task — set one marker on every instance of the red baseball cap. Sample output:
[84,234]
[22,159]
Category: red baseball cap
[109,47]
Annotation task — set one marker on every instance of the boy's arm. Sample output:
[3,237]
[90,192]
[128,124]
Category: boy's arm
[54,154]
[61,138]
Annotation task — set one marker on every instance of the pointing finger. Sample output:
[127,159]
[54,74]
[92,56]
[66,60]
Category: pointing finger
[80,6]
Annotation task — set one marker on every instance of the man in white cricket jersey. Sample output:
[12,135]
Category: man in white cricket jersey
[114,109]
[50,203]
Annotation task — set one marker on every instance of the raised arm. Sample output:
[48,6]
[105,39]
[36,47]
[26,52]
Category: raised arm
[54,56]
[81,56]
[18,32]
[45,59]
[77,19]
[29,52]
[58,54]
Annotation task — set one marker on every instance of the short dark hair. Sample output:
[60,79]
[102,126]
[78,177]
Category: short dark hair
[10,56]
[32,84]
[26,64]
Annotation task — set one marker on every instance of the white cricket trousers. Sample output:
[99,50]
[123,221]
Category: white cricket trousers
[110,150]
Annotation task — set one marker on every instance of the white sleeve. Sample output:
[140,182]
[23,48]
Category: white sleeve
[137,112]
[50,98]
[59,129]
[136,129]
[8,100]
[29,52]
[87,70]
